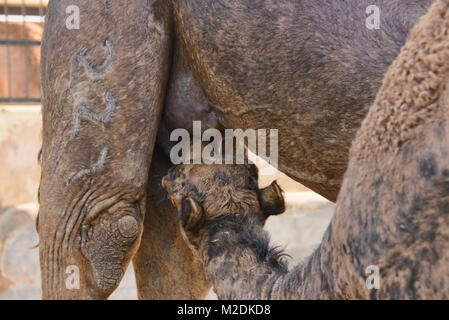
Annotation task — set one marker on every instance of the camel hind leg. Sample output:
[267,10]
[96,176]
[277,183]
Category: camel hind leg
[164,265]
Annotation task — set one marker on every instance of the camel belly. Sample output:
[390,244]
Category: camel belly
[294,66]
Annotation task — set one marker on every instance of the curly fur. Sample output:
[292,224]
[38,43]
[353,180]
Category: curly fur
[240,242]
[411,90]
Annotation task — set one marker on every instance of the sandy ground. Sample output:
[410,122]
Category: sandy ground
[298,230]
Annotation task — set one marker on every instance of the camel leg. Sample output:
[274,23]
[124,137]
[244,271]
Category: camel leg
[103,88]
[165,267]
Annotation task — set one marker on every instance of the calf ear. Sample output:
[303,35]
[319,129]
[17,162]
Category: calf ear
[271,200]
[168,180]
[191,214]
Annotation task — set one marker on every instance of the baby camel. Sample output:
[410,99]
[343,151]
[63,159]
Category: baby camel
[392,211]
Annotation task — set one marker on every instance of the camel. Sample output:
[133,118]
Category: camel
[392,213]
[114,90]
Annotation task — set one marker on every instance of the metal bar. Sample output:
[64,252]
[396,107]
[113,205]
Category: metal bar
[20,100]
[20,107]
[25,50]
[32,11]
[29,3]
[22,11]
[8,53]
[28,18]
[20,43]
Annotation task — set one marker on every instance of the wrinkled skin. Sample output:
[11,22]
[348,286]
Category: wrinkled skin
[134,68]
[392,212]
[93,185]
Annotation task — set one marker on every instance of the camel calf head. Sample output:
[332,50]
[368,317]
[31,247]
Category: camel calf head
[205,193]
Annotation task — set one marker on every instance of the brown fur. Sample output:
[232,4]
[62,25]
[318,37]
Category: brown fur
[222,190]
[295,66]
[392,212]
[288,65]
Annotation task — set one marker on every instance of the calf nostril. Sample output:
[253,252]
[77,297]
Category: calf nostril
[128,226]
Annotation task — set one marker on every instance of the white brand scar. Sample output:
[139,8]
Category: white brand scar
[93,72]
[97,166]
[81,109]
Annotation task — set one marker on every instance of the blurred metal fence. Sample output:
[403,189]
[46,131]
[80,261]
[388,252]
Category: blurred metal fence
[19,49]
